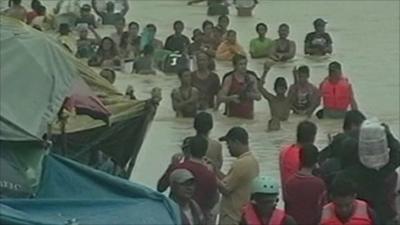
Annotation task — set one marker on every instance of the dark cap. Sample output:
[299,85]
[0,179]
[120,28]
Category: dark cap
[86,7]
[236,134]
[319,21]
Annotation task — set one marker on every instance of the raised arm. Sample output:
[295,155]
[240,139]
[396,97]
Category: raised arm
[125,7]
[254,93]
[96,9]
[292,51]
[354,105]
[96,35]
[266,94]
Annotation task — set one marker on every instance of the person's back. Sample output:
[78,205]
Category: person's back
[16,10]
[217,8]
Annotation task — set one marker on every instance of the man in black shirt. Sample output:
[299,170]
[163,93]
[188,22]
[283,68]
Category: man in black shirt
[318,43]
[177,42]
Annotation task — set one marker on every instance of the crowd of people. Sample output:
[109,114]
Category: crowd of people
[352,181]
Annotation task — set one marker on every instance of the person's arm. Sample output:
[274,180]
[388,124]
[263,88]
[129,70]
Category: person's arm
[252,49]
[254,94]
[56,10]
[292,97]
[96,9]
[307,45]
[354,105]
[176,102]
[163,182]
[289,221]
[328,48]
[223,94]
[315,102]
[125,7]
[264,92]
[96,35]
[292,51]
[223,52]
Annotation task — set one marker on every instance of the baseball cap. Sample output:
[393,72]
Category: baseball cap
[180,176]
[236,134]
[319,21]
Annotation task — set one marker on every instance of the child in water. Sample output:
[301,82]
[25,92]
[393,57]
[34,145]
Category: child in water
[279,104]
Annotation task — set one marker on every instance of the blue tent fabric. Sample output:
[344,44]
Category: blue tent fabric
[70,190]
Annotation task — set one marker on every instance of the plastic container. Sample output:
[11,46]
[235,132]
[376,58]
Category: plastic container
[373,146]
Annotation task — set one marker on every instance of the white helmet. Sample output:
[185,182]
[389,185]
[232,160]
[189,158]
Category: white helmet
[264,185]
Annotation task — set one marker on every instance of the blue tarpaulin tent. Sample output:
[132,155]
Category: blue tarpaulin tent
[71,191]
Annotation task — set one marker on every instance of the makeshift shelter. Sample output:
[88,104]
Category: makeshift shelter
[34,87]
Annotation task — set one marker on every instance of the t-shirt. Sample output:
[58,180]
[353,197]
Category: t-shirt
[177,43]
[208,89]
[238,182]
[259,47]
[304,198]
[318,41]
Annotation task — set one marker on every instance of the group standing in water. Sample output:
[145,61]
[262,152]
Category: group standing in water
[350,182]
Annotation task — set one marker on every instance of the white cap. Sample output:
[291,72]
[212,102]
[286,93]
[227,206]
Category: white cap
[180,176]
[265,185]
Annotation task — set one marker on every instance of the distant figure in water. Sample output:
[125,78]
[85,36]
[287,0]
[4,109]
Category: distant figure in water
[144,64]
[221,28]
[217,8]
[239,90]
[119,26]
[282,49]
[303,95]
[279,104]
[337,94]
[107,55]
[185,98]
[245,7]
[177,42]
[260,46]
[319,42]
[109,16]
[16,10]
[230,47]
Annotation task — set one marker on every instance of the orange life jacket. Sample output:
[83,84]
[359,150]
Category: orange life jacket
[336,96]
[249,214]
[360,215]
[289,162]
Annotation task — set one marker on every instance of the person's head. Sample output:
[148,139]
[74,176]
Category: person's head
[280,86]
[240,63]
[64,29]
[237,140]
[231,36]
[197,35]
[203,123]
[335,71]
[110,7]
[107,44]
[308,156]
[283,31]
[108,74]
[303,74]
[120,25]
[203,61]
[353,120]
[319,25]
[85,10]
[198,146]
[343,194]
[185,77]
[208,27]
[223,21]
[182,183]
[35,4]
[148,50]
[178,27]
[262,29]
[264,194]
[151,28]
[306,132]
[41,10]
[133,28]
[186,146]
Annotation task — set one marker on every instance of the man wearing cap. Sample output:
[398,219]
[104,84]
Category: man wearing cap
[235,186]
[318,43]
[86,17]
[182,190]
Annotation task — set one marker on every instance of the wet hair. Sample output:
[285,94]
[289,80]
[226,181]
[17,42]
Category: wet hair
[222,17]
[41,10]
[231,32]
[134,23]
[261,25]
[182,71]
[203,123]
[304,70]
[283,25]
[148,50]
[35,4]
[342,186]
[237,58]
[178,22]
[308,155]
[335,65]
[64,29]
[114,50]
[280,82]
[306,131]
[206,23]
[353,117]
[151,26]
[198,146]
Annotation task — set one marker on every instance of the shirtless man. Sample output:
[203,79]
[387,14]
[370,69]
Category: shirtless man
[282,49]
[185,98]
[16,10]
[109,16]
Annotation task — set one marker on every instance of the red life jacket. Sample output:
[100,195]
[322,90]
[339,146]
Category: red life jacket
[289,162]
[244,109]
[360,215]
[249,214]
[336,96]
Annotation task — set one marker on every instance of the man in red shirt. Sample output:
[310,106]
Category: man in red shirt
[305,193]
[289,160]
[206,193]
